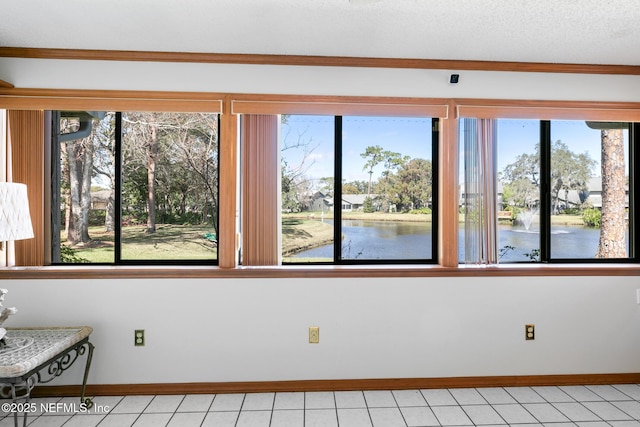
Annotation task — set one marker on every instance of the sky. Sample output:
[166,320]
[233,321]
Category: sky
[412,137]
[520,136]
[407,136]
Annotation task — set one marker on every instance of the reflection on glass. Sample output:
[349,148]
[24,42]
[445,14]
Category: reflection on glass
[307,188]
[169,186]
[589,190]
[387,188]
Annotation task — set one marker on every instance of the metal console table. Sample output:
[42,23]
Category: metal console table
[34,356]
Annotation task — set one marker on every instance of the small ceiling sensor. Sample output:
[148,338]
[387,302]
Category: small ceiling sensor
[454,78]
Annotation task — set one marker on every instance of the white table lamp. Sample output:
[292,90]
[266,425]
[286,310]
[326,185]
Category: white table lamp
[15,221]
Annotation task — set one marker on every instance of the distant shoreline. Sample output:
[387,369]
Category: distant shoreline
[306,230]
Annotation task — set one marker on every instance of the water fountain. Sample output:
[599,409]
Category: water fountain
[526,218]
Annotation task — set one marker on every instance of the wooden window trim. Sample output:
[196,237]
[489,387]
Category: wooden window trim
[341,106]
[315,60]
[548,110]
[345,271]
[104,100]
[448,191]
[230,105]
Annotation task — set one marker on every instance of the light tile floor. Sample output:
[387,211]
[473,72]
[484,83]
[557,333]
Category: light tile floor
[584,406]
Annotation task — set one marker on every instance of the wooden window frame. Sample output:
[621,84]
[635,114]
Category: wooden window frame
[232,105]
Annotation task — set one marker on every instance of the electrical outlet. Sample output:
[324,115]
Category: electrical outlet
[138,335]
[529,332]
[314,335]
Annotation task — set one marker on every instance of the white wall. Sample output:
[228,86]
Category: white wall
[113,75]
[210,330]
[256,329]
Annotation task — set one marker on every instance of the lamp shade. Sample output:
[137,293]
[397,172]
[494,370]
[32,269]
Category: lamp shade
[15,221]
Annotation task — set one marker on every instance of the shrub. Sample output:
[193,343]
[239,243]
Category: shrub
[424,210]
[97,217]
[70,255]
[592,217]
[367,205]
[572,211]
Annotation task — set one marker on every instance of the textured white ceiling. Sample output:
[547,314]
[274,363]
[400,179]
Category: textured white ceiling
[571,31]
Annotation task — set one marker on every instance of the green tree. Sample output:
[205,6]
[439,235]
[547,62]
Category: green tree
[386,185]
[414,184]
[367,205]
[521,180]
[104,161]
[569,171]
[171,159]
[354,187]
[374,157]
[142,133]
[327,185]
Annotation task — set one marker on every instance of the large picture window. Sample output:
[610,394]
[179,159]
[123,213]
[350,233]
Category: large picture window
[564,193]
[134,187]
[358,189]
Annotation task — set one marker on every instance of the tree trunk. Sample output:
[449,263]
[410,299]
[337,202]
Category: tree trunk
[66,195]
[152,156]
[109,219]
[80,161]
[612,232]
[85,198]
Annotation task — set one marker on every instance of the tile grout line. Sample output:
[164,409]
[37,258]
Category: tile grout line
[580,402]
[175,411]
[399,409]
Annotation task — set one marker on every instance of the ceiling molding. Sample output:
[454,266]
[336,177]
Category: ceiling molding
[6,85]
[318,61]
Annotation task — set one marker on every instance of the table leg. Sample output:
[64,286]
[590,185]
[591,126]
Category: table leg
[87,401]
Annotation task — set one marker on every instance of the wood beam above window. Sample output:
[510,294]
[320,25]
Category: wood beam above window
[316,61]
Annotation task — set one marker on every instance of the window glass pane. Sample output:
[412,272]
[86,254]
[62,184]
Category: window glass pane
[86,175]
[589,190]
[518,190]
[169,186]
[307,185]
[387,188]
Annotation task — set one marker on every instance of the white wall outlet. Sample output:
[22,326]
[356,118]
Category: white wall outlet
[138,337]
[314,335]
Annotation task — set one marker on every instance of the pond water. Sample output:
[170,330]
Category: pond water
[368,240]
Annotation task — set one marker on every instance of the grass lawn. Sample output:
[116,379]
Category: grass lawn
[300,234]
[169,242]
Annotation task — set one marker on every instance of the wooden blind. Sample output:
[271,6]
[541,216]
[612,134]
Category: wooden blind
[26,133]
[260,199]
